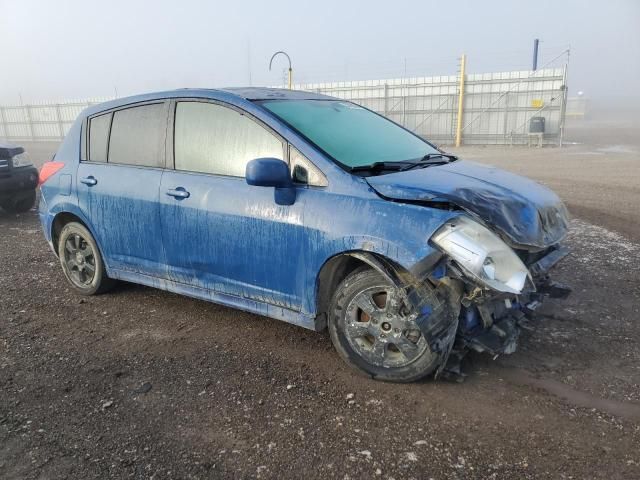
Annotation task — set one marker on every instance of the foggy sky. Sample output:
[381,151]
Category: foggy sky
[59,50]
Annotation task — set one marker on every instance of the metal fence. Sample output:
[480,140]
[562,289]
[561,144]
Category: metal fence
[41,122]
[497,107]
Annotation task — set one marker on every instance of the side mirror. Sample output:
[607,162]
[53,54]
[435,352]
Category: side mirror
[272,172]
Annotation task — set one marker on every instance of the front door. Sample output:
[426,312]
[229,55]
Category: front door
[220,233]
[118,186]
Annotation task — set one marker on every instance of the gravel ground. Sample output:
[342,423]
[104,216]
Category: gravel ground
[143,383]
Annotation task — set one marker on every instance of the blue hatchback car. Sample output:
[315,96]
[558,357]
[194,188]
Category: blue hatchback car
[308,209]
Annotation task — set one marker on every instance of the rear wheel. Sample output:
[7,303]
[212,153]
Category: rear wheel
[20,205]
[81,260]
[373,330]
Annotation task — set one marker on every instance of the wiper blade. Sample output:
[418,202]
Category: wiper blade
[429,156]
[428,159]
[431,159]
[378,166]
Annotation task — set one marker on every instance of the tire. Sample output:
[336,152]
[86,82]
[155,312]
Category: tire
[81,261]
[374,333]
[22,205]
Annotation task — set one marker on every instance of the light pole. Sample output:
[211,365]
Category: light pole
[290,70]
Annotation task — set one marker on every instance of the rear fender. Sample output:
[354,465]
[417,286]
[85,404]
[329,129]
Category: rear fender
[70,208]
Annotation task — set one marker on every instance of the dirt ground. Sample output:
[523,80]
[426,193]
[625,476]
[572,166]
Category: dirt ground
[147,384]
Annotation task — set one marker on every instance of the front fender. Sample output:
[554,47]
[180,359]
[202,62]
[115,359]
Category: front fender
[394,231]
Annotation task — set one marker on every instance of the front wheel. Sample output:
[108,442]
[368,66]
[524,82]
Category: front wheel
[374,332]
[81,260]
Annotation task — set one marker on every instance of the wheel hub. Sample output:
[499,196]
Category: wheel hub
[379,331]
[79,261]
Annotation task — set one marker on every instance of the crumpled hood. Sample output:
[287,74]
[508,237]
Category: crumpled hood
[523,210]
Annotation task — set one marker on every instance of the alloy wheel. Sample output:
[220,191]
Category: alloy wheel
[380,329]
[79,260]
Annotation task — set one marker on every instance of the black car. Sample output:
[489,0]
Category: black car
[18,179]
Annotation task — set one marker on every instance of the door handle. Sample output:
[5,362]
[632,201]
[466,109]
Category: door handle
[178,193]
[90,181]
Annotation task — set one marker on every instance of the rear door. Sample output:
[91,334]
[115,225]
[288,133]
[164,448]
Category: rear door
[118,184]
[219,232]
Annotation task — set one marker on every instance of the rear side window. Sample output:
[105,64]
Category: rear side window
[98,137]
[210,138]
[137,136]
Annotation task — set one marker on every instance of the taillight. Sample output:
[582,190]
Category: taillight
[48,169]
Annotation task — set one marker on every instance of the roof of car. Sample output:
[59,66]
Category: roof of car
[263,93]
[245,93]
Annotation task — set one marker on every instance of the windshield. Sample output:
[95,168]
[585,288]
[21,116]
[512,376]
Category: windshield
[352,135]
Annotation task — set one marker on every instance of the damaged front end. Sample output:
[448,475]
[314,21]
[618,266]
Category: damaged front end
[480,293]
[490,271]
[490,321]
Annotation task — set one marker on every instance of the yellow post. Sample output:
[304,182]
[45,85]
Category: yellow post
[463,60]
[290,78]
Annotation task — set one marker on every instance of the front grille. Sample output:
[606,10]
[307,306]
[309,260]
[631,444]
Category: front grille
[4,164]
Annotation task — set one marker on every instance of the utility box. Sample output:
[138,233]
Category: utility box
[536,125]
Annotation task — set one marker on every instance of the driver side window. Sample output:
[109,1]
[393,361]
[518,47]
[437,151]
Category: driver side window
[210,138]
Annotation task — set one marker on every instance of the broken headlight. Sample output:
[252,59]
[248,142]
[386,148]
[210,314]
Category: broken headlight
[482,255]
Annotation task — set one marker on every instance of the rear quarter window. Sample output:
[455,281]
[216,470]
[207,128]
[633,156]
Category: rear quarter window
[138,135]
[98,137]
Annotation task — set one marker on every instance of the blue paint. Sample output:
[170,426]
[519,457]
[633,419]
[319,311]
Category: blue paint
[124,212]
[233,243]
[65,184]
[272,172]
[527,213]
[439,271]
